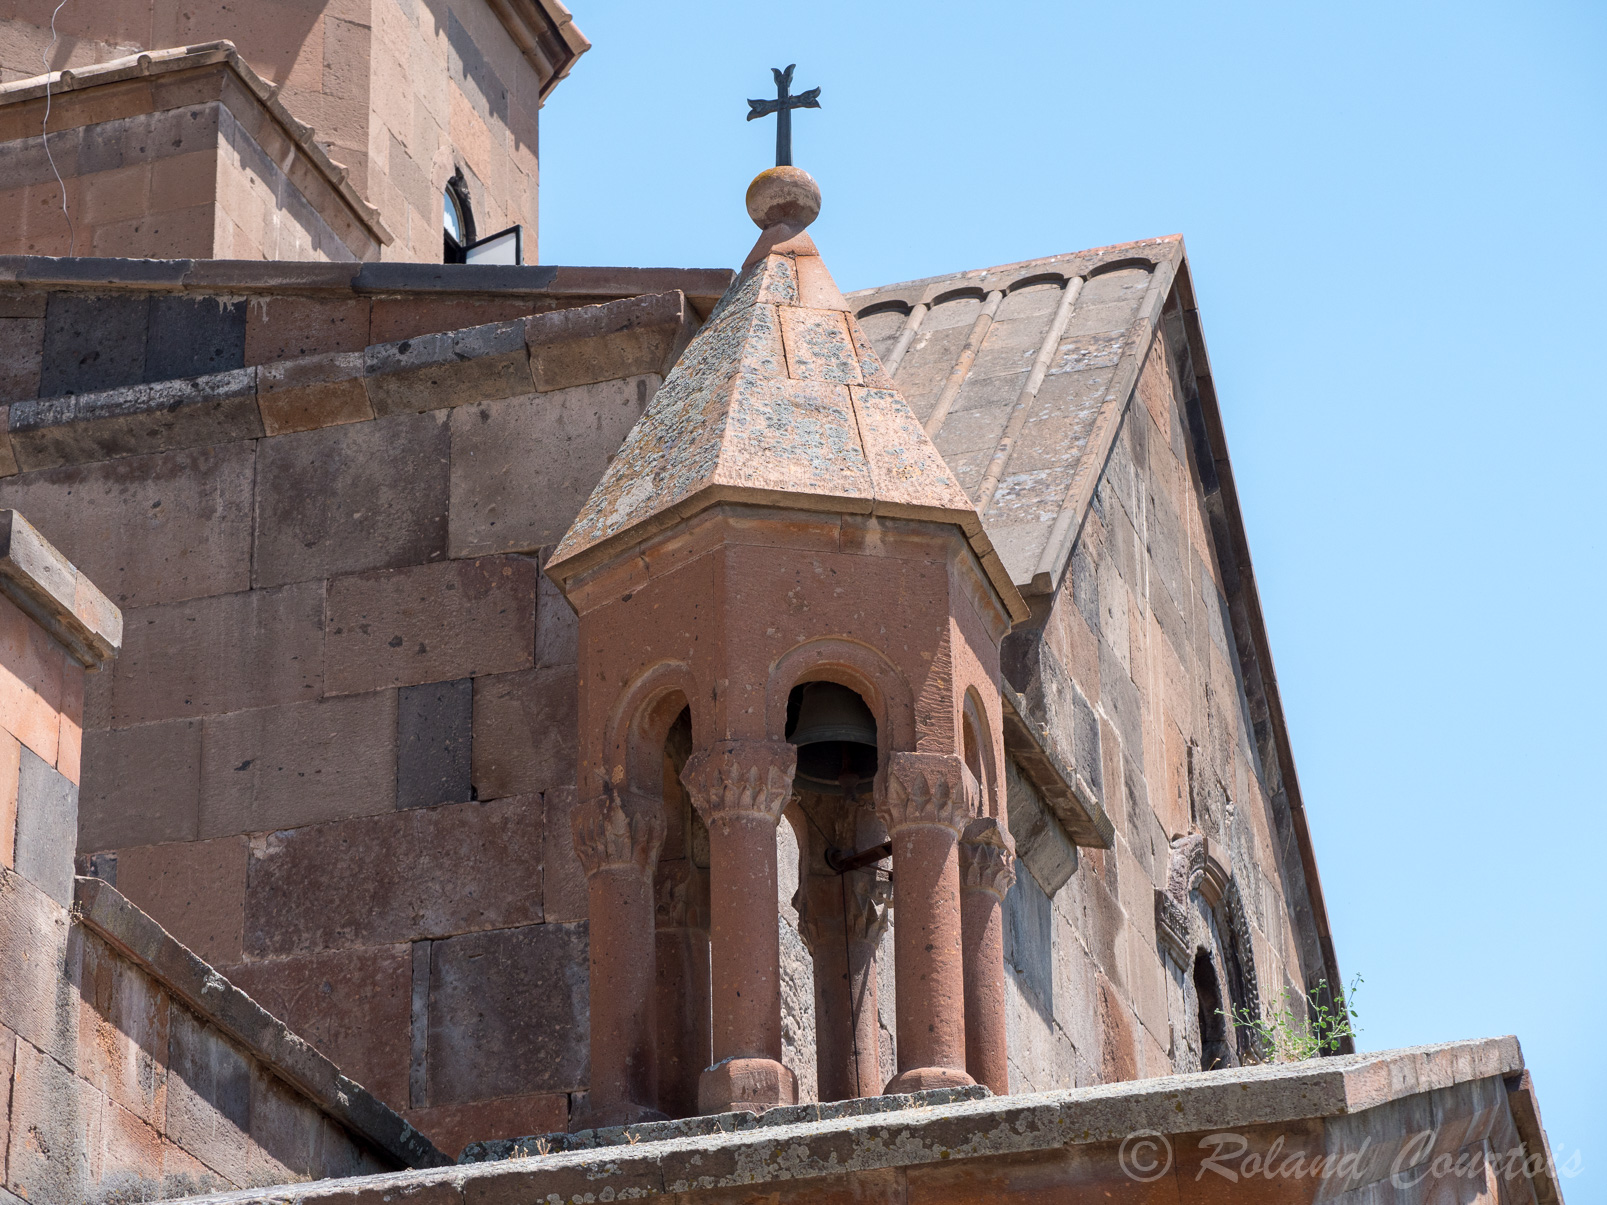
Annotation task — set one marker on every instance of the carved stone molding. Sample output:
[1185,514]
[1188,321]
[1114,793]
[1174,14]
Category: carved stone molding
[868,901]
[927,788]
[1197,865]
[607,833]
[732,778]
[987,858]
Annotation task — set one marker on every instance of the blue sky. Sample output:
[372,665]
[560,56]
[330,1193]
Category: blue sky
[1393,214]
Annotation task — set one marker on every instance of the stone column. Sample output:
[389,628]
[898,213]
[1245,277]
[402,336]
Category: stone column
[842,918]
[987,871]
[740,789]
[617,842]
[925,799]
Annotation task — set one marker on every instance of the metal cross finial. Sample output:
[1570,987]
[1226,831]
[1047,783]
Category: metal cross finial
[782,107]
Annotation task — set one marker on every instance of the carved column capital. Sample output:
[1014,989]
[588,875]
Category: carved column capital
[867,902]
[927,789]
[987,858]
[732,778]
[609,833]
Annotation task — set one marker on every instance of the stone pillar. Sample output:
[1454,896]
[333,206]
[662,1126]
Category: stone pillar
[987,871]
[618,842]
[925,799]
[842,918]
[740,789]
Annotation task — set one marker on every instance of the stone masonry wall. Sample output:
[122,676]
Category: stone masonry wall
[1135,666]
[400,92]
[336,755]
[113,1089]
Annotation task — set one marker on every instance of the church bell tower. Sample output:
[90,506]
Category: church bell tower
[778,519]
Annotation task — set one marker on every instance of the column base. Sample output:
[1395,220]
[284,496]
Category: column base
[921,1079]
[624,1113]
[751,1085]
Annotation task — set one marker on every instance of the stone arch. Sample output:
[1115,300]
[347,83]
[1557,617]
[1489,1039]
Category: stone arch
[857,666]
[1196,867]
[639,722]
[977,733]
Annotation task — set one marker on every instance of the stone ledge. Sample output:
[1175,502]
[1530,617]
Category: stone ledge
[56,595]
[99,906]
[540,353]
[714,1124]
[245,277]
[1457,1083]
[1074,803]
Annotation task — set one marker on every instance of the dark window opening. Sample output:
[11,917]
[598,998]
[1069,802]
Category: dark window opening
[836,737]
[1214,1049]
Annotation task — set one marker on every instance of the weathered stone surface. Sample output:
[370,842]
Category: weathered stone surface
[123,1017]
[33,936]
[430,623]
[563,879]
[279,767]
[524,732]
[423,872]
[193,336]
[284,328]
[453,1127]
[311,392]
[214,655]
[432,372]
[55,1111]
[605,342]
[507,1013]
[193,889]
[434,729]
[522,467]
[141,785]
[21,345]
[148,529]
[353,1005]
[62,604]
[557,627]
[225,1028]
[47,828]
[350,498]
[93,342]
[31,686]
[186,413]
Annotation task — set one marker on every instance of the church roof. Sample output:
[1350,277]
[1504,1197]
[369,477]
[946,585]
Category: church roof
[1020,374]
[780,400]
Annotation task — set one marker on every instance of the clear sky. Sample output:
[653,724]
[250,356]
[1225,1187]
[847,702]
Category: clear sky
[1394,218]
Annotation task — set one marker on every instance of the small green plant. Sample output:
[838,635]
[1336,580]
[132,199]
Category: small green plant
[1287,1036]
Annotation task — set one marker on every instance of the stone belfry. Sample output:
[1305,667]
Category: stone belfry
[776,518]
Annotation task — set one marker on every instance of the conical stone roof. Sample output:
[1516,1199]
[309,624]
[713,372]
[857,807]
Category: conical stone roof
[778,400]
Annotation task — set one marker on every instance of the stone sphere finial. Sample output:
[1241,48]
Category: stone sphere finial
[783,194]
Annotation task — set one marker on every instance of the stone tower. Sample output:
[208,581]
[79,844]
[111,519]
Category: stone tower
[778,464]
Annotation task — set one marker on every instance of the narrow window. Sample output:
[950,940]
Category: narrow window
[457,219]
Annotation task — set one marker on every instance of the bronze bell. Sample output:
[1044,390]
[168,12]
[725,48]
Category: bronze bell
[836,737]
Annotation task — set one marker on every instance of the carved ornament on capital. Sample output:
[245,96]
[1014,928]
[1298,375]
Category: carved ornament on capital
[733,778]
[927,789]
[987,858]
[608,833]
[867,904]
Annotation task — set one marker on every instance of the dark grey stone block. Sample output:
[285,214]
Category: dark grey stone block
[1029,943]
[47,828]
[434,725]
[1042,845]
[93,342]
[193,336]
[508,1013]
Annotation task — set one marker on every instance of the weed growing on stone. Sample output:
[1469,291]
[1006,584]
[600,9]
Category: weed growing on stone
[1287,1036]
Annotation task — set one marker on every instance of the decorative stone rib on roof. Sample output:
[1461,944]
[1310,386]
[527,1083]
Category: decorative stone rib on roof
[781,400]
[1020,375]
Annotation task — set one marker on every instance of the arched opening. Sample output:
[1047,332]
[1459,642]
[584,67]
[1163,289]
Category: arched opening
[681,922]
[840,897]
[1214,1049]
